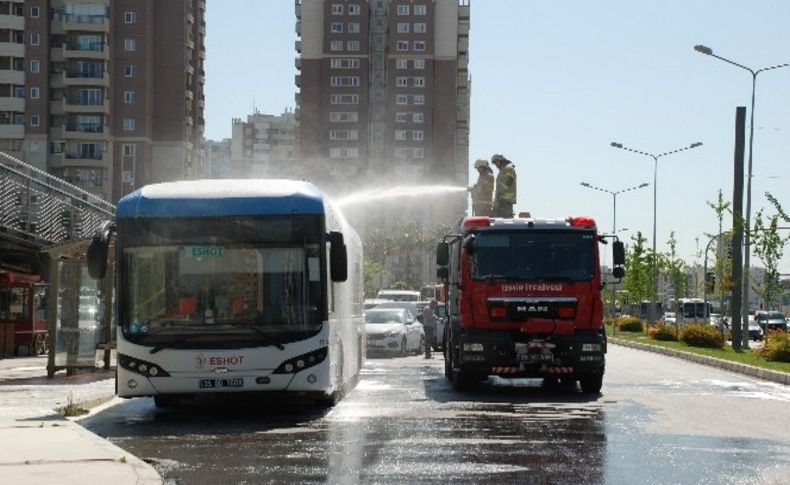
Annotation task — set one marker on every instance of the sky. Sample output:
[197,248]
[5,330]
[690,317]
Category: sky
[555,82]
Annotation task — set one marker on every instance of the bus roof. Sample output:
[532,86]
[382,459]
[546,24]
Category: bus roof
[206,198]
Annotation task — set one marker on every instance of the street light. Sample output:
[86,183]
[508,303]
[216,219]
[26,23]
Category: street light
[614,199]
[746,237]
[655,197]
[614,218]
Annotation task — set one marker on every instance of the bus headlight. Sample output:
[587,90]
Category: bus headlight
[148,369]
[301,362]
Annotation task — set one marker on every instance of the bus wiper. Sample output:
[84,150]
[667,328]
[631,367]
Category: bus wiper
[164,345]
[253,328]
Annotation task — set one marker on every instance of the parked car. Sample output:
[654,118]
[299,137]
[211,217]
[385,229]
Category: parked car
[670,318]
[755,331]
[393,330]
[715,319]
[770,320]
[412,306]
[373,303]
[398,295]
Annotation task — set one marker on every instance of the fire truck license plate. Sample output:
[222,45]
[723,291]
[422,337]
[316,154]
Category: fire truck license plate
[533,355]
[216,383]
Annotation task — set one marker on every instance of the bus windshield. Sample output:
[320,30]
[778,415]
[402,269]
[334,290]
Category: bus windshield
[217,290]
[533,255]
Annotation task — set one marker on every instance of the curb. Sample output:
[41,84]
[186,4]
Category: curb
[751,371]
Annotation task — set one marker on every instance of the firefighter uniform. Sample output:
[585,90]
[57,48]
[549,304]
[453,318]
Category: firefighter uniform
[483,190]
[505,195]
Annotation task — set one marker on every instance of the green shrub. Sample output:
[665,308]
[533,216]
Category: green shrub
[629,324]
[663,332]
[776,347]
[702,336]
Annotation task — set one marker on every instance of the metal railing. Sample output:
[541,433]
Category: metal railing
[43,209]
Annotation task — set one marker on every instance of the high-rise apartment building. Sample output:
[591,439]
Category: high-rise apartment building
[265,146]
[384,88]
[107,94]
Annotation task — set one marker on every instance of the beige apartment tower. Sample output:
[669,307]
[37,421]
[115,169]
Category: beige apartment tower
[107,94]
[384,88]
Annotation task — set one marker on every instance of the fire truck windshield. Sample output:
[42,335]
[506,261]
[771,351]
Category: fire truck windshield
[534,255]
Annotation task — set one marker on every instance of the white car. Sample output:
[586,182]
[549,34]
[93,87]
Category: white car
[393,330]
[398,295]
[670,318]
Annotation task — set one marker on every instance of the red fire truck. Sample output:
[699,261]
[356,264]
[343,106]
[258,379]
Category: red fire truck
[524,299]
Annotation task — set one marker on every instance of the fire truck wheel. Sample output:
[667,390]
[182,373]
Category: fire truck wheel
[591,383]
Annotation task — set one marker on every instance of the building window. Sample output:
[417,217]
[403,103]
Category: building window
[129,149]
[344,80]
[419,82]
[418,117]
[337,27]
[129,17]
[403,28]
[345,152]
[403,10]
[402,45]
[35,12]
[129,45]
[353,28]
[34,93]
[401,99]
[343,99]
[128,124]
[401,117]
[336,45]
[35,120]
[35,66]
[420,28]
[343,134]
[353,45]
[344,63]
[35,38]
[419,63]
[417,135]
[128,70]
[19,92]
[337,9]
[128,97]
[354,10]
[343,117]
[401,81]
[401,63]
[400,135]
[419,99]
[419,45]
[420,10]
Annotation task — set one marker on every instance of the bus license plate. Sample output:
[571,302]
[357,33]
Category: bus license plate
[218,383]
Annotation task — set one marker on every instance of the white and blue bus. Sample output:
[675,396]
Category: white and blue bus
[234,286]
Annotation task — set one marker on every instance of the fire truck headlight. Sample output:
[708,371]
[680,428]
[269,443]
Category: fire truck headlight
[473,347]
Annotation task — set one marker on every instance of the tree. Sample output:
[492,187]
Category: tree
[675,268]
[769,248]
[637,284]
[723,262]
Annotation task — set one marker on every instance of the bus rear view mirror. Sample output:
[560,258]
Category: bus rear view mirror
[618,253]
[97,252]
[442,254]
[338,257]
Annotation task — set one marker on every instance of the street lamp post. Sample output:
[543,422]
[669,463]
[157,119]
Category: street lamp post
[652,312]
[613,193]
[746,237]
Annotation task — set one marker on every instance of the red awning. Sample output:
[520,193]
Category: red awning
[9,279]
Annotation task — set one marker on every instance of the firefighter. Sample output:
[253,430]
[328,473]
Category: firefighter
[429,325]
[483,189]
[505,195]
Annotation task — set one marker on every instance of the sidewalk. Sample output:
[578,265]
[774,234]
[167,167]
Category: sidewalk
[39,446]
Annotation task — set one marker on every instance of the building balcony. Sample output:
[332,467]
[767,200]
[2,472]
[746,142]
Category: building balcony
[12,49]
[463,62]
[57,106]
[76,78]
[8,76]
[463,44]
[203,28]
[76,159]
[12,131]
[190,16]
[299,28]
[86,23]
[463,81]
[12,22]
[202,51]
[99,50]
[202,5]
[298,9]
[75,106]
[298,80]
[12,104]
[57,80]
[189,94]
[86,132]
[463,28]
[298,63]
[190,68]
[298,46]
[463,12]
[297,98]
[56,54]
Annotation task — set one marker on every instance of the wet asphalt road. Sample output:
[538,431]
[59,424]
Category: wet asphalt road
[657,420]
